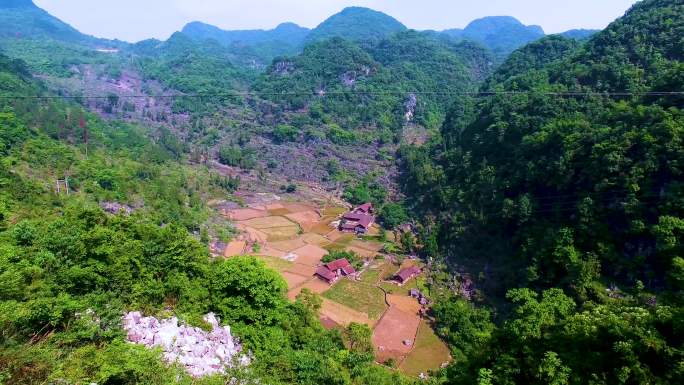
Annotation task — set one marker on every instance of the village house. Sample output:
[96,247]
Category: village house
[406,274]
[331,272]
[358,220]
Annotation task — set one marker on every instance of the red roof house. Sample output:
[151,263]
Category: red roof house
[366,208]
[405,275]
[331,272]
[359,220]
[325,274]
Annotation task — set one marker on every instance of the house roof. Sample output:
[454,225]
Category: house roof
[408,272]
[349,226]
[349,269]
[364,220]
[366,207]
[338,264]
[325,273]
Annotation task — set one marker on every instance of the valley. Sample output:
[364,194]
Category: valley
[352,203]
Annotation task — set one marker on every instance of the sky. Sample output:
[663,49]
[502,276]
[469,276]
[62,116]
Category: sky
[135,20]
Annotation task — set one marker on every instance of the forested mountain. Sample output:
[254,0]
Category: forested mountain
[580,34]
[501,34]
[285,39]
[287,33]
[334,77]
[184,64]
[568,207]
[357,24]
[23,19]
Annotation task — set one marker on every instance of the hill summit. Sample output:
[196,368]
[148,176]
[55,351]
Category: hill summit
[357,23]
[17,4]
[501,34]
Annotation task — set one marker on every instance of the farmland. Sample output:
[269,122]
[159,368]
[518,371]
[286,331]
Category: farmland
[293,237]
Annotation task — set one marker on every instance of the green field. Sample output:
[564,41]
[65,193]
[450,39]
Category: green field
[276,264]
[429,352]
[358,296]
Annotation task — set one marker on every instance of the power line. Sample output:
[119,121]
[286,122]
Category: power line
[354,92]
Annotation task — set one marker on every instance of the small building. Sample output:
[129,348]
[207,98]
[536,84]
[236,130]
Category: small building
[405,275]
[332,271]
[366,208]
[358,220]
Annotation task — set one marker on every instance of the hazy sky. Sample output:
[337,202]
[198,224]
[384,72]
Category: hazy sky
[135,20]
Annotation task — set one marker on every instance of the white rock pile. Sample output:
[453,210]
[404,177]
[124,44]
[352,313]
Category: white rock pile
[200,352]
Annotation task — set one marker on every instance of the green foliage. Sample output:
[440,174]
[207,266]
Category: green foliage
[356,23]
[285,133]
[245,291]
[569,208]
[353,258]
[237,157]
[332,78]
[365,191]
[393,215]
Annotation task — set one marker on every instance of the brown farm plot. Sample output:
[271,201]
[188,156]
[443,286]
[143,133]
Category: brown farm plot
[314,284]
[306,219]
[294,280]
[305,270]
[262,223]
[406,304]
[281,233]
[297,207]
[310,254]
[272,252]
[429,353]
[235,248]
[246,214]
[315,239]
[344,315]
[394,328]
[288,245]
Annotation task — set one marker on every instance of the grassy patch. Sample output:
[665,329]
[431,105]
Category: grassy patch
[379,271]
[429,352]
[392,288]
[276,264]
[342,243]
[370,276]
[333,211]
[358,296]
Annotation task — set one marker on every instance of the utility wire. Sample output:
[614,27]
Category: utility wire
[375,93]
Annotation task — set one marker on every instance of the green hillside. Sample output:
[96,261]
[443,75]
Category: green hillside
[570,209]
[501,34]
[69,270]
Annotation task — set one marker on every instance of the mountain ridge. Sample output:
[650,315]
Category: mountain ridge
[357,23]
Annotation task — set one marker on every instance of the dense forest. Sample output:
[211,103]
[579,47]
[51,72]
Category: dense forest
[542,176]
[68,269]
[566,208]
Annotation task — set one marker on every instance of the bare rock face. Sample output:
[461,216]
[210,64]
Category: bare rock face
[201,353]
[348,78]
[284,68]
[116,208]
[410,107]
